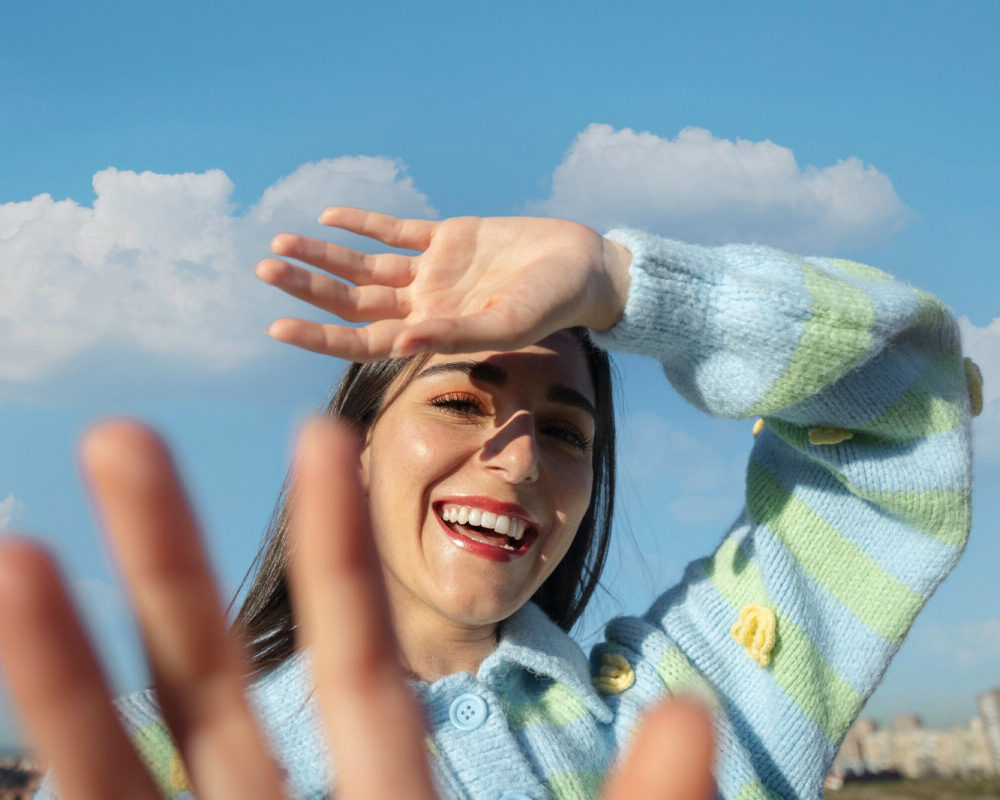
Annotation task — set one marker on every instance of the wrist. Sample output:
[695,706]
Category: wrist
[613,285]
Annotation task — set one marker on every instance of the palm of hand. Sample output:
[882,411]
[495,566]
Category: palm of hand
[476,284]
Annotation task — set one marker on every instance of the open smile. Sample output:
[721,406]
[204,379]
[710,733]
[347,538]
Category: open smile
[486,528]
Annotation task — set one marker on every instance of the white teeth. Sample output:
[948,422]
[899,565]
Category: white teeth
[501,523]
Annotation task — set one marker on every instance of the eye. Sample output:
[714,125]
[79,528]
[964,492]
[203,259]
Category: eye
[459,404]
[568,434]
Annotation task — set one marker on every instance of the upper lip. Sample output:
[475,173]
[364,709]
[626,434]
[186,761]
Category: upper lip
[489,504]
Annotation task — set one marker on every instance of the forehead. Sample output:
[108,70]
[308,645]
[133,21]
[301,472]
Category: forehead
[557,359]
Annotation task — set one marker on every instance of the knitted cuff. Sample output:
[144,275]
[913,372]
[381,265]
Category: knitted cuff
[659,309]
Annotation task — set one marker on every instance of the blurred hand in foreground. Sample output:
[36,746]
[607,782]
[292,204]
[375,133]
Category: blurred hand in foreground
[372,721]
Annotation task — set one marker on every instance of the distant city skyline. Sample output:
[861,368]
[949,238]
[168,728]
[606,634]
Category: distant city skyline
[915,751]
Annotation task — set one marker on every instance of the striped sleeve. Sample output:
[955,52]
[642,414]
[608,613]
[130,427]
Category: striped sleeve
[857,488]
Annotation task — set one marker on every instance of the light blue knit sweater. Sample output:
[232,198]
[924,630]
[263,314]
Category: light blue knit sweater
[857,505]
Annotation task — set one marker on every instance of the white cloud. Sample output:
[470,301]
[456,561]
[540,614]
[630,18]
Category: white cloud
[10,509]
[701,188]
[982,345]
[970,644]
[161,264]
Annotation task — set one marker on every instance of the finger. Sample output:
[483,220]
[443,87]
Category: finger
[353,303]
[196,665]
[387,269]
[670,757]
[369,343]
[55,680]
[411,234]
[372,720]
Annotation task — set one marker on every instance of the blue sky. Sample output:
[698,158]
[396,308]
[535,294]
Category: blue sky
[149,153]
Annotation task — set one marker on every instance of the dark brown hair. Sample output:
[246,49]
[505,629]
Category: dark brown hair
[265,622]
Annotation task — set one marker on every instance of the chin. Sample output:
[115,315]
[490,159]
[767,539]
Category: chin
[476,609]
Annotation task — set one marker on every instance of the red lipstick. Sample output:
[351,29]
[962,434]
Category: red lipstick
[485,549]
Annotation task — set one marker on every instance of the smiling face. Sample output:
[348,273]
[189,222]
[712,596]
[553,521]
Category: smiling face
[479,472]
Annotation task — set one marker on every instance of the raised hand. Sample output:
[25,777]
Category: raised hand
[371,719]
[493,283]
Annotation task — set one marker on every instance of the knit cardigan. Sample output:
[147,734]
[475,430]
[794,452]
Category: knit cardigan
[857,505]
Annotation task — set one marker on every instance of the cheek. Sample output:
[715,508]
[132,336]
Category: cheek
[404,464]
[579,488]
[574,502]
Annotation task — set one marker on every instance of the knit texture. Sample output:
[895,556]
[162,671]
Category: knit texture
[857,505]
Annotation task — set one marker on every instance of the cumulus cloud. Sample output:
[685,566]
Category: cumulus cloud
[982,345]
[10,509]
[971,644]
[161,264]
[702,188]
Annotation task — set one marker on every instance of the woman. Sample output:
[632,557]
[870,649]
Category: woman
[857,505]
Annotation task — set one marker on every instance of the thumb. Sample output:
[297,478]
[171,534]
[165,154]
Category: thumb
[670,757]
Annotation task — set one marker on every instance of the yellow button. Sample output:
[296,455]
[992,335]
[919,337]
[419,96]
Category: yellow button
[178,777]
[824,435]
[615,676]
[758,426]
[755,630]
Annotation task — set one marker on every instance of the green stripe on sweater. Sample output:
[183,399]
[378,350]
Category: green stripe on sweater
[679,677]
[880,600]
[797,666]
[156,747]
[831,341]
[755,790]
[944,514]
[932,311]
[556,706]
[930,406]
[856,269]
[574,785]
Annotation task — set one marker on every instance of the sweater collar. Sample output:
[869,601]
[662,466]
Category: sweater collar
[530,640]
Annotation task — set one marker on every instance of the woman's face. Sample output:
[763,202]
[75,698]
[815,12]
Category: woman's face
[478,474]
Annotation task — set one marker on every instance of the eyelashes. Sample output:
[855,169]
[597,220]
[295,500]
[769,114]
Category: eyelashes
[460,404]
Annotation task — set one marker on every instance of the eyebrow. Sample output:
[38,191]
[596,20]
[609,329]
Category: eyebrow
[495,376]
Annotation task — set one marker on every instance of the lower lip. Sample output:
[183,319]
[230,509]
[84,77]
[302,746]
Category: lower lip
[477,548]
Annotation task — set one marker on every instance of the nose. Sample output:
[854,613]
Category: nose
[513,450]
